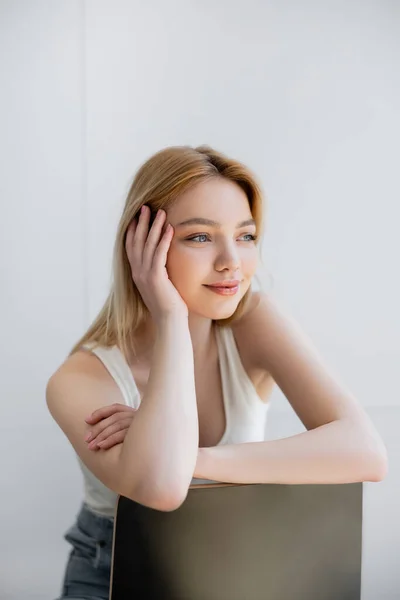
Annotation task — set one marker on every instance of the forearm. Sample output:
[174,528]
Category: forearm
[164,436]
[338,452]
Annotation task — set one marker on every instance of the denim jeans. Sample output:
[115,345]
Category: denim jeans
[87,573]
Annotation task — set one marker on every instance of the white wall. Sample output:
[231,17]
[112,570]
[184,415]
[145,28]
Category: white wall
[308,95]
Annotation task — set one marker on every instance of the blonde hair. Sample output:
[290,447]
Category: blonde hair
[158,183]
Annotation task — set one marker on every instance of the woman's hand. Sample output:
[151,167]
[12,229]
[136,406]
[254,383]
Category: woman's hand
[147,253]
[109,425]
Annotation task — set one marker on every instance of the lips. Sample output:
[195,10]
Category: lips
[224,288]
[224,284]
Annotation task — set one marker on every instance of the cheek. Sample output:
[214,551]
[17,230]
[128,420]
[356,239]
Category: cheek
[181,264]
[250,262]
[185,264]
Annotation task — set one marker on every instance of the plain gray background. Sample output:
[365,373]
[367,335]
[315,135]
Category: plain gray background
[307,94]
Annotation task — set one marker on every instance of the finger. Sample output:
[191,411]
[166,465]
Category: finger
[129,236]
[141,232]
[113,440]
[97,428]
[108,427]
[153,240]
[100,427]
[106,411]
[161,253]
[109,431]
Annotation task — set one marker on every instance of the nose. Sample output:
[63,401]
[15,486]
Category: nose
[228,260]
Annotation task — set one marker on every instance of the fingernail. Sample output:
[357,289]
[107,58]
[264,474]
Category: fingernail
[88,437]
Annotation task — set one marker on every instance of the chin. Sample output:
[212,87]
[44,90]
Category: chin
[223,311]
[214,315]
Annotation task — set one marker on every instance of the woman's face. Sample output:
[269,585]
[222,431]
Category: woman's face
[204,253]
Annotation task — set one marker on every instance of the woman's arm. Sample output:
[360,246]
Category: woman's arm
[341,444]
[339,452]
[155,462]
[163,437]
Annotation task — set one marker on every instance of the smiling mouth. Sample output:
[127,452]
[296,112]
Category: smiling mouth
[225,283]
[225,290]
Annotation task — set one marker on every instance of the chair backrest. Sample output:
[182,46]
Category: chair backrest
[242,542]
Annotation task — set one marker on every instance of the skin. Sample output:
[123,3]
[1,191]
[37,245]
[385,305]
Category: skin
[340,444]
[214,253]
[217,253]
[198,254]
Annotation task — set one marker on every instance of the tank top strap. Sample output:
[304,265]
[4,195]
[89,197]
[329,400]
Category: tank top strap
[234,376]
[115,363]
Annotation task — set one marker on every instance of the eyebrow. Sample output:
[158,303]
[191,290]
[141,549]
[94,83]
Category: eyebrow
[202,221]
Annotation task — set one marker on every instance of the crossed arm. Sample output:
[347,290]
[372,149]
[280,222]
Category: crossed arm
[341,445]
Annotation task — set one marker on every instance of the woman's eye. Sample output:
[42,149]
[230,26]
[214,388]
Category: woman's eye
[202,237]
[251,236]
[196,237]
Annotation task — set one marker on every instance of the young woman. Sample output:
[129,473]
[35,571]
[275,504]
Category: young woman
[175,373]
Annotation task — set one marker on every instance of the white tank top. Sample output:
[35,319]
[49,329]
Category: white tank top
[245,412]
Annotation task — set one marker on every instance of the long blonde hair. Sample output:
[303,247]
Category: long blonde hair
[158,183]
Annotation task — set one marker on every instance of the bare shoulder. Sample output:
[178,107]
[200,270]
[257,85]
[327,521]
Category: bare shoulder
[276,344]
[83,372]
[76,389]
[243,331]
[82,365]
[262,327]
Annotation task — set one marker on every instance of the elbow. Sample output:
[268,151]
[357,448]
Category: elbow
[172,503]
[164,501]
[370,454]
[375,460]
[377,467]
[167,502]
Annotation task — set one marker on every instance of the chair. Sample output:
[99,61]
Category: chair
[242,542]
